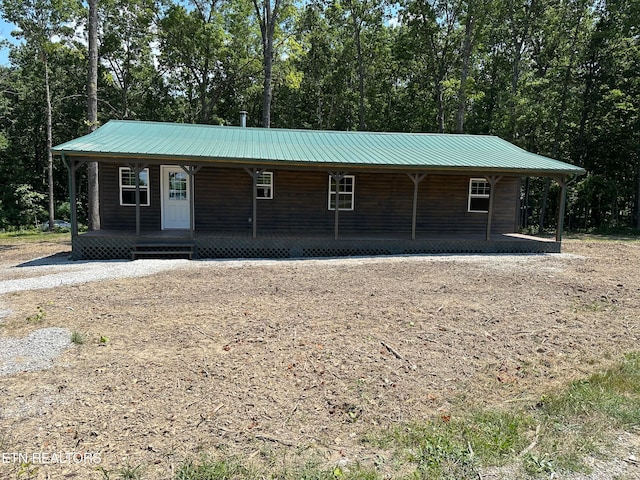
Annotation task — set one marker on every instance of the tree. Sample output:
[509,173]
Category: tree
[268,14]
[191,42]
[93,209]
[44,24]
[127,38]
[434,29]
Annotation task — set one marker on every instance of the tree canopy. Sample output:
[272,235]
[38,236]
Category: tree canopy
[557,77]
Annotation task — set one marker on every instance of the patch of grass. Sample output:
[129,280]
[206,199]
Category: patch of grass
[27,471]
[613,394]
[77,337]
[37,317]
[496,436]
[579,420]
[611,235]
[125,473]
[32,236]
[211,469]
[457,447]
[556,435]
[597,305]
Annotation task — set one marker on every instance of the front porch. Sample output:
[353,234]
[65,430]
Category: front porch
[119,244]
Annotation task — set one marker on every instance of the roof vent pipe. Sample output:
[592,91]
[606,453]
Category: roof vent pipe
[243,119]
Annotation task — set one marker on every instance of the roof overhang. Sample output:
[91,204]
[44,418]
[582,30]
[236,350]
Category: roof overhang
[185,144]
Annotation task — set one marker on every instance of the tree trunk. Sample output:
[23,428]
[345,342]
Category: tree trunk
[464,73]
[268,74]
[357,29]
[93,210]
[439,97]
[543,205]
[49,143]
[267,17]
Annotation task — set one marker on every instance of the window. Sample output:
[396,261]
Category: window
[479,191]
[264,184]
[345,193]
[128,186]
[177,186]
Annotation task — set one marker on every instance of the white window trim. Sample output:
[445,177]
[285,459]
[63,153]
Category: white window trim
[352,193]
[269,185]
[129,188]
[476,195]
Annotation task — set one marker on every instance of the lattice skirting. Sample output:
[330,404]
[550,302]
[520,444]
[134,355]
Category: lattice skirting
[120,247]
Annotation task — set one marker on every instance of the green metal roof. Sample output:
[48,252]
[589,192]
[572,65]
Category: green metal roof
[330,149]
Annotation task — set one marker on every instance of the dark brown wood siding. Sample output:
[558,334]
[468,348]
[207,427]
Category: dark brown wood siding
[383,203]
[113,216]
[443,206]
[223,199]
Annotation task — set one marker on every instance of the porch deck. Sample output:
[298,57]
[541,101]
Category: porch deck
[119,244]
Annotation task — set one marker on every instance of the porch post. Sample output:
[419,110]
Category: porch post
[192,202]
[337,176]
[191,172]
[254,173]
[493,180]
[416,178]
[71,166]
[563,202]
[136,172]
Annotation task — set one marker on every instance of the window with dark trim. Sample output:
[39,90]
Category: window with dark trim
[479,192]
[345,193]
[264,185]
[128,187]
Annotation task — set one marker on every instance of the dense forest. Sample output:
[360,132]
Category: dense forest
[557,77]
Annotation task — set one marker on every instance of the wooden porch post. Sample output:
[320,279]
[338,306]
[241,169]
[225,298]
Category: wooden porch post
[73,203]
[136,169]
[191,172]
[136,172]
[493,181]
[563,202]
[337,177]
[254,173]
[416,178]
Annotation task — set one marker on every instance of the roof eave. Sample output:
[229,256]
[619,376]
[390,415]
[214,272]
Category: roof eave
[251,162]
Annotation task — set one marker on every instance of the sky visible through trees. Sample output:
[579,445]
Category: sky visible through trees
[557,77]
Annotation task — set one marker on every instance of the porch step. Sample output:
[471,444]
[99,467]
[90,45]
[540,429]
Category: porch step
[162,250]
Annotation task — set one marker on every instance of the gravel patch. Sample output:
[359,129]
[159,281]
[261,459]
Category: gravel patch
[70,273]
[56,272]
[36,351]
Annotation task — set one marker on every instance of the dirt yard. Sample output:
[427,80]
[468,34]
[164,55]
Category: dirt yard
[274,360]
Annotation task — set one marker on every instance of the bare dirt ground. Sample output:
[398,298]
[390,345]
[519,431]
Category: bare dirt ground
[275,360]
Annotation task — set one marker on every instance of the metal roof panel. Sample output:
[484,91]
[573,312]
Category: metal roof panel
[207,143]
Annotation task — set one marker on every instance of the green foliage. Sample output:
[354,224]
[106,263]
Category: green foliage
[558,78]
[30,205]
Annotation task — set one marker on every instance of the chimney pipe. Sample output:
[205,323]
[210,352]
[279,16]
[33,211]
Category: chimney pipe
[243,119]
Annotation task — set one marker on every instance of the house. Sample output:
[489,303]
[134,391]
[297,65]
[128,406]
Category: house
[224,192]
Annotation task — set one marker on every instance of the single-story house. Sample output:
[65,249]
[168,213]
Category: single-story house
[223,192]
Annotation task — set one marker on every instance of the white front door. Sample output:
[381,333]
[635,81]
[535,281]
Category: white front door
[175,198]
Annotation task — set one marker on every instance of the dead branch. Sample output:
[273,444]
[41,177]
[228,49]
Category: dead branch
[268,438]
[533,444]
[392,351]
